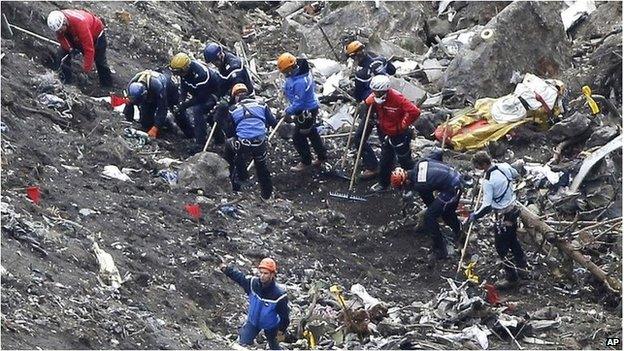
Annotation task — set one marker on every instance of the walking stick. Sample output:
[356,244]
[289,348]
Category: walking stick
[463,251]
[212,131]
[279,123]
[346,152]
[357,159]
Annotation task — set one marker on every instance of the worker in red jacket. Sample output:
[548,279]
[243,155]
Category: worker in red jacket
[80,31]
[395,114]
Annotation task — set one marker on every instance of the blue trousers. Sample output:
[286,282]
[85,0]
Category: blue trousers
[200,115]
[248,333]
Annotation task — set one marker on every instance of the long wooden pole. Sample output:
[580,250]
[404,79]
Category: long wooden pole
[212,131]
[357,159]
[279,123]
[463,251]
[535,225]
[346,152]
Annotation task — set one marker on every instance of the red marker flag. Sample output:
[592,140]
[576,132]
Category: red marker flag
[118,100]
[193,210]
[34,194]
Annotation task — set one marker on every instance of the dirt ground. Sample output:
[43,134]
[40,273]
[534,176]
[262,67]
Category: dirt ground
[174,297]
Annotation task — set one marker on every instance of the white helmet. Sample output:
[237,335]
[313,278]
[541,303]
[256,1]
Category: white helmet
[380,83]
[56,20]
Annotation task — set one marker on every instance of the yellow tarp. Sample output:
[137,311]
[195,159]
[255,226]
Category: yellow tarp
[481,136]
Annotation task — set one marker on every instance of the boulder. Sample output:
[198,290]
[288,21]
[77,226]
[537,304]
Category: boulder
[601,136]
[363,21]
[206,171]
[569,127]
[538,45]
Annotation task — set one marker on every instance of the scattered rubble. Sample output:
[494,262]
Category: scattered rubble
[130,261]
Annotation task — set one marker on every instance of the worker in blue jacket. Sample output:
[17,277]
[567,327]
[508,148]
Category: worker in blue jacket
[154,93]
[204,87]
[268,304]
[369,65]
[299,89]
[250,121]
[230,67]
[429,176]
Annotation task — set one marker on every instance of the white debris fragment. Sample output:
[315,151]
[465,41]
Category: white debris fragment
[108,270]
[113,172]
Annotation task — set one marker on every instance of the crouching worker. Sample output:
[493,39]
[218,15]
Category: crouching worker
[426,177]
[304,107]
[268,304]
[80,31]
[250,121]
[154,94]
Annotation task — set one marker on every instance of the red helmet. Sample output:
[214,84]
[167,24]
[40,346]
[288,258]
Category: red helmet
[398,177]
[269,264]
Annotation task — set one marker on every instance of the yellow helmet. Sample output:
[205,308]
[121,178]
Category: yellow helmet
[354,47]
[238,88]
[180,62]
[286,61]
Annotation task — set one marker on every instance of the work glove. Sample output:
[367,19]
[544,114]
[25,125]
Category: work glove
[153,132]
[280,336]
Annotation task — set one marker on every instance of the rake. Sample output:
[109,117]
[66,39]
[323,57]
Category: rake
[349,195]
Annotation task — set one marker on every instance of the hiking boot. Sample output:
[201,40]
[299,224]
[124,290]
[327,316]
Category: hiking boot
[378,188]
[506,284]
[300,167]
[368,174]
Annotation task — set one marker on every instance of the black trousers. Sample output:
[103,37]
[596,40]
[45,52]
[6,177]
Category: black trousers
[237,153]
[305,129]
[369,159]
[64,59]
[447,210]
[393,148]
[505,240]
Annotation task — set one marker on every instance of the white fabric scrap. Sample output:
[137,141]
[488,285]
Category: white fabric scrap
[543,171]
[509,108]
[113,172]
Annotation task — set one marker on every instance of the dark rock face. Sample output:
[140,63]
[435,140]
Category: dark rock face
[527,37]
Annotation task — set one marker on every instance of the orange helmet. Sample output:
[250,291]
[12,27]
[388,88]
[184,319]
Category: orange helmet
[269,264]
[354,47]
[238,88]
[286,61]
[398,177]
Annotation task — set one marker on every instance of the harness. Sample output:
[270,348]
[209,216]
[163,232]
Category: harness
[145,77]
[487,176]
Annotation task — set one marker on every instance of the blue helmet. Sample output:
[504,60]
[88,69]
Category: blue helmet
[136,92]
[212,51]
